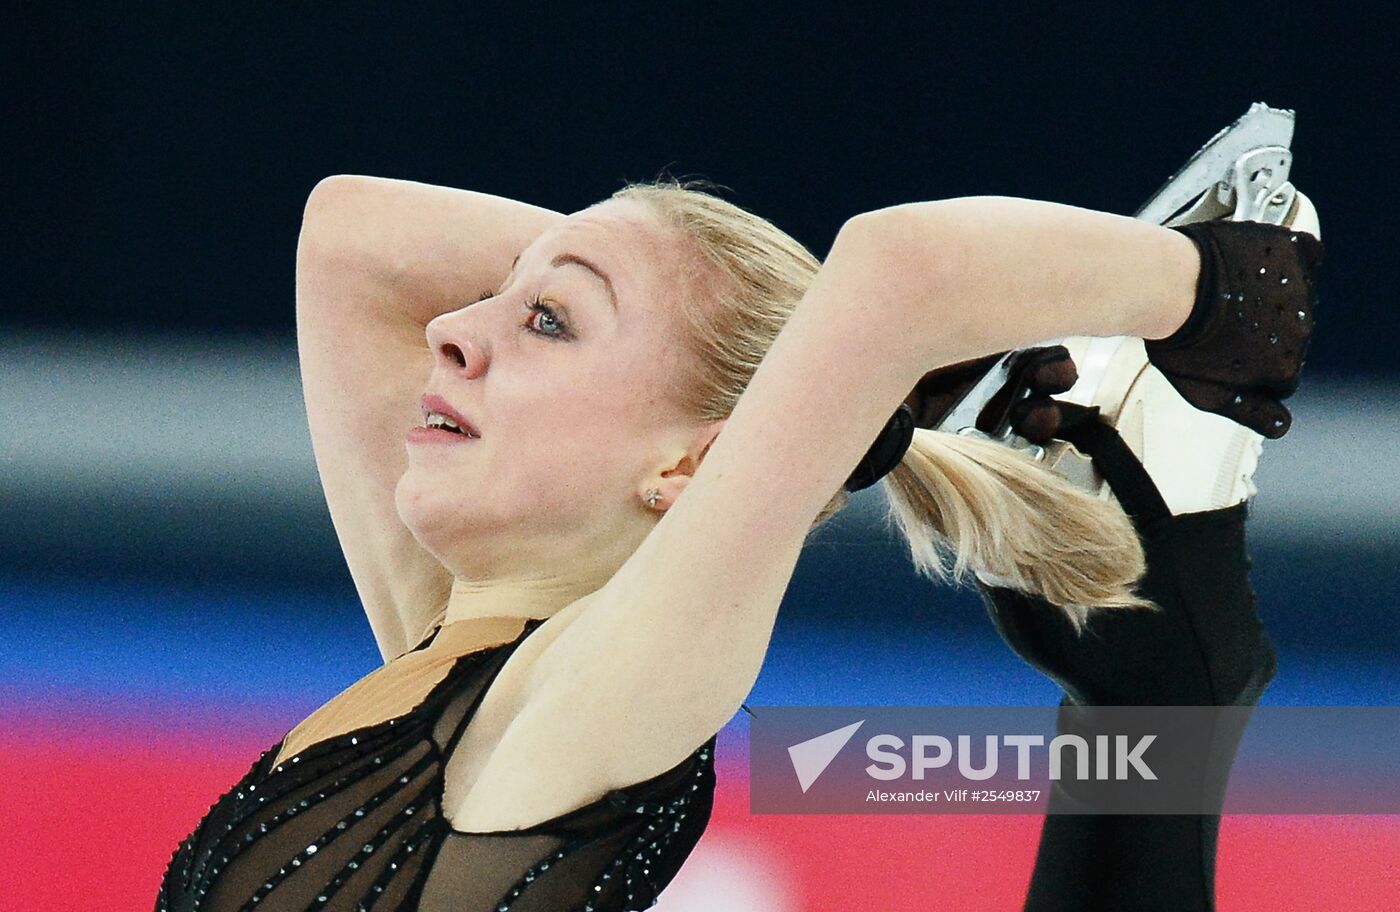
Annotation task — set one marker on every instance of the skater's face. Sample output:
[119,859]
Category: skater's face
[567,373]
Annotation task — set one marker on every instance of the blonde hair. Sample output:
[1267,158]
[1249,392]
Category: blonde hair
[988,507]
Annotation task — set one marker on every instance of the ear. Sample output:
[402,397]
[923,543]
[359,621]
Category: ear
[673,478]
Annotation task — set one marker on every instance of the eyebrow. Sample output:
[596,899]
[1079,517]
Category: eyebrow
[565,259]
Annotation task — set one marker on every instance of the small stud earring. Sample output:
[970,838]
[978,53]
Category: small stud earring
[651,497]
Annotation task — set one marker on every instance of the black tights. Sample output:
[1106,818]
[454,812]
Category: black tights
[1206,647]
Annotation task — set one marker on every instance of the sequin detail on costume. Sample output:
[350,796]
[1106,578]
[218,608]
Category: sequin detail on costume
[354,823]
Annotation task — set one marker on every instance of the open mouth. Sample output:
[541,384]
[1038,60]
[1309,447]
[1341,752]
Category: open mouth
[437,421]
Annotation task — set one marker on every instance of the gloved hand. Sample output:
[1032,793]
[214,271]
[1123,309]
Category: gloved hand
[1042,370]
[1241,350]
[1039,372]
[939,391]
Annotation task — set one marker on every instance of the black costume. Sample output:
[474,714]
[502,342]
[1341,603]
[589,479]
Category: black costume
[1206,647]
[355,823]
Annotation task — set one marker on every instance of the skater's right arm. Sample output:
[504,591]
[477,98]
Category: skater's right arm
[377,259]
[994,273]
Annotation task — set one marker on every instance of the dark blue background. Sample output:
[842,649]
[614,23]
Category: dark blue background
[160,156]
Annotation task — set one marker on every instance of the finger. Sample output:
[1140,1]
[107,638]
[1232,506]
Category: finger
[1260,413]
[1037,418]
[1023,359]
[1024,402]
[1043,369]
[929,410]
[996,413]
[1053,371]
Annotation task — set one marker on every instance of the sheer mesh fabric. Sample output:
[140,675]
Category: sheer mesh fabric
[355,823]
[1241,350]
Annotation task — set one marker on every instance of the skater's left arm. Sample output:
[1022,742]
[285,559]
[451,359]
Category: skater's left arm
[996,272]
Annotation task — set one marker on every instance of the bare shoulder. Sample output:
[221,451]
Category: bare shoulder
[529,756]
[484,779]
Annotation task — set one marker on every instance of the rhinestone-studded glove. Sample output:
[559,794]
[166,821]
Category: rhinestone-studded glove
[1038,372]
[1240,352]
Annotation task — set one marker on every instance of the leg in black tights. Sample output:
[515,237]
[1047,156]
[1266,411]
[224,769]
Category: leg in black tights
[1206,647]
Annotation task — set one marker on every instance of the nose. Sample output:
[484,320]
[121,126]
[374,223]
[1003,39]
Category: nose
[455,344]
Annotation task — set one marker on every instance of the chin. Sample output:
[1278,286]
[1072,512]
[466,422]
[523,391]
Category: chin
[434,518]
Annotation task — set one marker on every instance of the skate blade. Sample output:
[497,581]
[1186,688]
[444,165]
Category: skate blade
[1203,188]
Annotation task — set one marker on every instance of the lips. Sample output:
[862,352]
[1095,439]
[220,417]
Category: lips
[432,402]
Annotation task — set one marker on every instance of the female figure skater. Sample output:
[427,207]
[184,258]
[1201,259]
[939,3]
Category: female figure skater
[573,575]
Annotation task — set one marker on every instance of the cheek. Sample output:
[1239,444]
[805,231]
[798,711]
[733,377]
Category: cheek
[591,430]
[594,428]
[590,404]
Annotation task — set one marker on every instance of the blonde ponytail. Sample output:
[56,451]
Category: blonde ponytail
[995,511]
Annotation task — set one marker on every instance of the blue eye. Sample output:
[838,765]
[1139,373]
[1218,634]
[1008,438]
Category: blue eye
[548,319]
[551,324]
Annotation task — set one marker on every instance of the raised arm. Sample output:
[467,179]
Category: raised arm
[664,653]
[377,259]
[1006,271]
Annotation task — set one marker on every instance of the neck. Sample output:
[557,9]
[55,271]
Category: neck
[494,585]
[514,598]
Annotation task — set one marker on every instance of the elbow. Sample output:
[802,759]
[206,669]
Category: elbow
[331,194]
[870,245]
[324,247]
[869,231]
[910,243]
[325,199]
[914,256]
[333,221]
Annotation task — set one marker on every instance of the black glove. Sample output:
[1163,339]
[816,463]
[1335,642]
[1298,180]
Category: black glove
[939,391]
[1042,371]
[1241,350]
[1038,372]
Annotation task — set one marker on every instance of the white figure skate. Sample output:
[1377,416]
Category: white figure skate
[1198,460]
